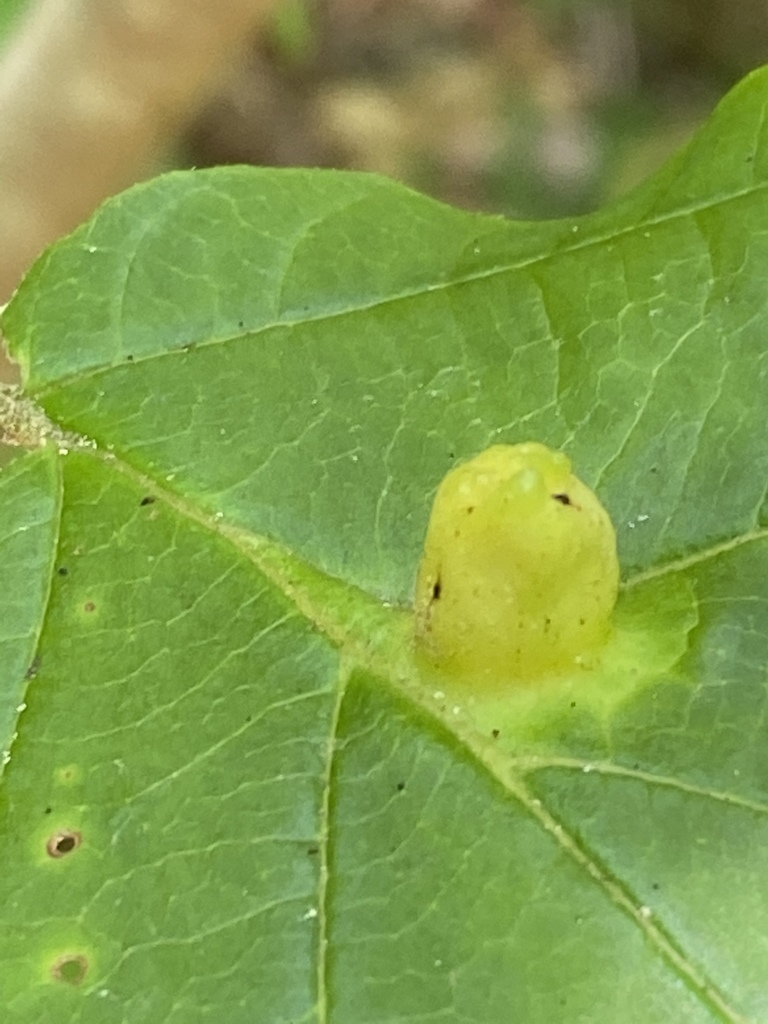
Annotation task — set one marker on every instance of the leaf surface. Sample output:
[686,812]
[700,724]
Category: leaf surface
[272,814]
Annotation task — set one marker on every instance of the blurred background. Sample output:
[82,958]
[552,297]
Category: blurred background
[530,108]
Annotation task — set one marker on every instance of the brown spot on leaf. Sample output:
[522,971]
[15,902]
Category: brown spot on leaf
[64,842]
[70,968]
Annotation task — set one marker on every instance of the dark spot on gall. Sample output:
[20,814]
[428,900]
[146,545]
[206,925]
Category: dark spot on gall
[437,590]
[563,499]
[149,499]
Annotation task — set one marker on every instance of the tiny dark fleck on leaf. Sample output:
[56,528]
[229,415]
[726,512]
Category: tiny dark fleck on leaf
[312,850]
[241,324]
[48,810]
[437,590]
[129,359]
[495,733]
[470,509]
[655,885]
[400,787]
[89,606]
[34,668]
[581,622]
[149,499]
[63,570]
[563,499]
[573,703]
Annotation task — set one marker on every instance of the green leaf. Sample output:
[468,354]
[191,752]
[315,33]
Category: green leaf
[232,793]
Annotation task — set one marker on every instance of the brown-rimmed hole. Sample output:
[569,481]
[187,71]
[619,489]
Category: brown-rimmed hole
[64,842]
[71,969]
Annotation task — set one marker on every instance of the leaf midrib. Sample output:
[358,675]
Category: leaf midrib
[97,372]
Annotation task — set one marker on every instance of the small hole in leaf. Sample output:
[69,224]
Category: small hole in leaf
[62,843]
[70,969]
[148,500]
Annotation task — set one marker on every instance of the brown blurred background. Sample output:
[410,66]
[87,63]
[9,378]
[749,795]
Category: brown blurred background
[534,109]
